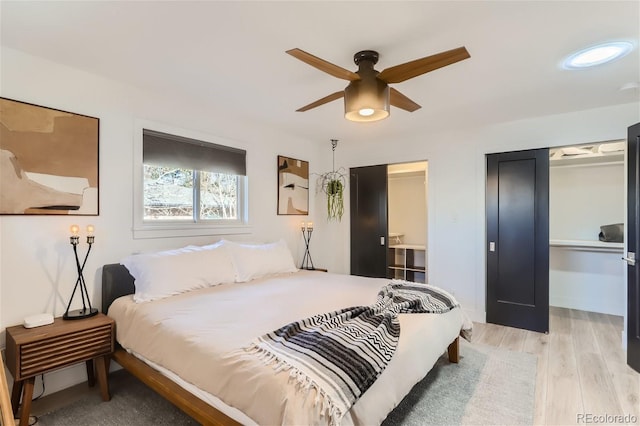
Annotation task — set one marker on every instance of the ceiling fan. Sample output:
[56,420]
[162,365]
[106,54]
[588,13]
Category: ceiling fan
[368,95]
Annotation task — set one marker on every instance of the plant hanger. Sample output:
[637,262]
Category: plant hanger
[332,184]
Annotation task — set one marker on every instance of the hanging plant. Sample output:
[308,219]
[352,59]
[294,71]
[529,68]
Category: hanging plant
[332,185]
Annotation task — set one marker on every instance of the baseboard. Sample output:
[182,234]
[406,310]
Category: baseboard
[476,316]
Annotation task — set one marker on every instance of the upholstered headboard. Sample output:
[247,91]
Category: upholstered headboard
[116,282]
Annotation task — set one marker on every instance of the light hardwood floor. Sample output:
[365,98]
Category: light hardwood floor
[581,368]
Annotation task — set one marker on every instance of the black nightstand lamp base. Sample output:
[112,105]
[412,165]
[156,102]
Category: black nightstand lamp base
[80,313]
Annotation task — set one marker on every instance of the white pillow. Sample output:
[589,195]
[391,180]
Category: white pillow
[258,260]
[207,247]
[162,274]
[136,262]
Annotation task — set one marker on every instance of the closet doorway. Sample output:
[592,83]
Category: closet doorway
[407,188]
[388,216]
[586,227]
[582,202]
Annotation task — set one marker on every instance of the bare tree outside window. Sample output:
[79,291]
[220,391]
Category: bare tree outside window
[218,196]
[169,194]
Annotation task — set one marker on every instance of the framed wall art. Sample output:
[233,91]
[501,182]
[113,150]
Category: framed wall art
[48,161]
[293,186]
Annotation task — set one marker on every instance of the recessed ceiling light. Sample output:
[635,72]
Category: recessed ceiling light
[598,54]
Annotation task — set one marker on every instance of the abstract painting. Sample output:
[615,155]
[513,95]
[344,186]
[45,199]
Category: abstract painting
[48,161]
[293,186]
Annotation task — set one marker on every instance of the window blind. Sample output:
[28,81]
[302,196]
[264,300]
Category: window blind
[161,149]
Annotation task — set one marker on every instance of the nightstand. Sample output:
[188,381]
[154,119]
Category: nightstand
[34,351]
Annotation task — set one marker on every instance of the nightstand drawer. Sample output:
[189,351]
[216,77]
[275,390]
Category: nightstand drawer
[39,357]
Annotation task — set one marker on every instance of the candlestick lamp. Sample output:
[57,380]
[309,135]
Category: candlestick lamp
[307,262]
[89,311]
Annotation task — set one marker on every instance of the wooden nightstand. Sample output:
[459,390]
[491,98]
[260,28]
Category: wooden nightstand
[33,351]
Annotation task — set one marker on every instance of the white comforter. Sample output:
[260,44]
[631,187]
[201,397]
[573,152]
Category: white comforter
[199,336]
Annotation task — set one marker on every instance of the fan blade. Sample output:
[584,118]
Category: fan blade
[399,100]
[323,65]
[326,99]
[420,66]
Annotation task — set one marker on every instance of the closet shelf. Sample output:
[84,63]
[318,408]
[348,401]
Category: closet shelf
[408,246]
[408,268]
[588,245]
[604,153]
[589,161]
[407,261]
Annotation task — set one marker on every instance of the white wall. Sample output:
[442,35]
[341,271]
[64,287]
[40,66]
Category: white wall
[408,207]
[581,198]
[36,269]
[587,280]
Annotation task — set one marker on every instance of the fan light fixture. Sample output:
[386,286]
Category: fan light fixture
[597,55]
[366,100]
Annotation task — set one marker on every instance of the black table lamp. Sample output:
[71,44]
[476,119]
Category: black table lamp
[89,311]
[307,263]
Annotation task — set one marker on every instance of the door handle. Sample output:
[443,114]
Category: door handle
[381,241]
[630,259]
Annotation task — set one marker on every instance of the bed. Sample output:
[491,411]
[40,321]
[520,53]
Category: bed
[189,347]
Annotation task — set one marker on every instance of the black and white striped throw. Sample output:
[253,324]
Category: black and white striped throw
[340,354]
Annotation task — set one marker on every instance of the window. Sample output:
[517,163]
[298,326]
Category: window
[190,184]
[172,193]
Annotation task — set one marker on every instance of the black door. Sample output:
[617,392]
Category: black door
[368,197]
[633,246]
[518,239]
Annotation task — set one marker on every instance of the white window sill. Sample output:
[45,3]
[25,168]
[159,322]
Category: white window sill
[191,230]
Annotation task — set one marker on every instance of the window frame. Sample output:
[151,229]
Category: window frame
[170,228]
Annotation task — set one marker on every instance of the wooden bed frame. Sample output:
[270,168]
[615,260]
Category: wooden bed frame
[117,282]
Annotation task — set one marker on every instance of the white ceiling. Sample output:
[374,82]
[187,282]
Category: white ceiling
[232,55]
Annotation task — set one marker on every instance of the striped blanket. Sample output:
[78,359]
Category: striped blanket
[340,354]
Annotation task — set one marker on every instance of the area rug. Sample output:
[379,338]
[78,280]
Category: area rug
[490,386]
